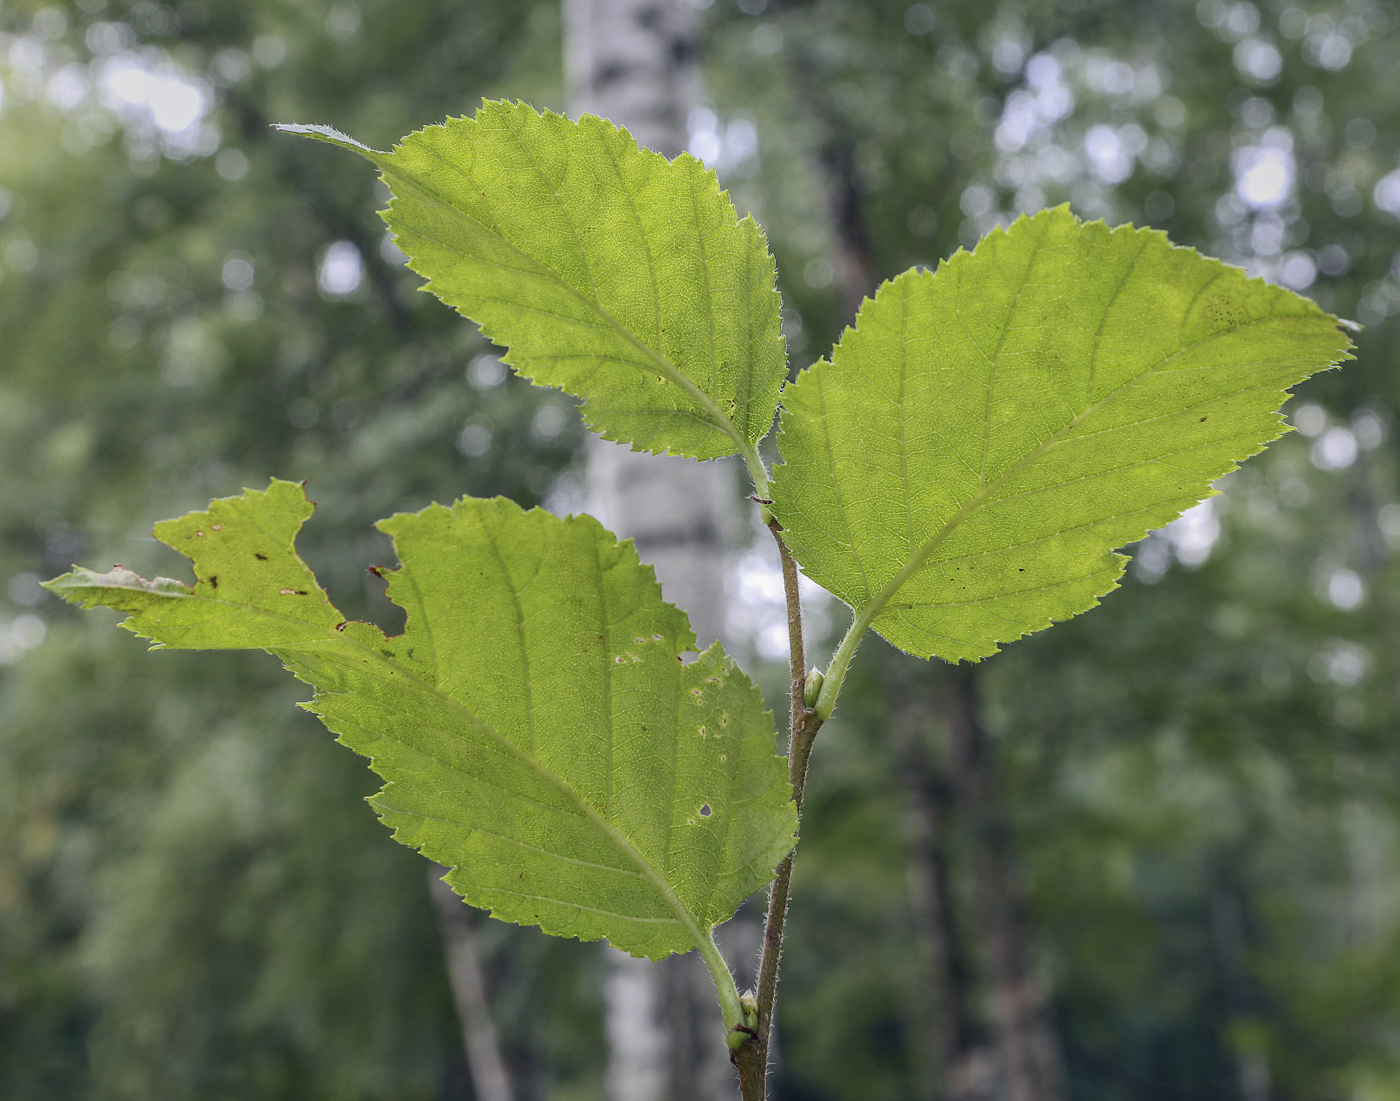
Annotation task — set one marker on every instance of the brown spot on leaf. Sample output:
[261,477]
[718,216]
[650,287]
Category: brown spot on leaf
[260,557]
[214,580]
[216,527]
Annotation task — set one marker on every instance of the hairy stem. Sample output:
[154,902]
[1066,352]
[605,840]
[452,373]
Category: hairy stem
[751,1057]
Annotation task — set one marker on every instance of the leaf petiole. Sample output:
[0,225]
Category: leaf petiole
[762,487]
[840,661]
[729,1002]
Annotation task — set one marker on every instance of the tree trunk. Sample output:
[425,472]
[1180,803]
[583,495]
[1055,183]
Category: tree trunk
[1227,928]
[952,1047]
[490,1081]
[1028,1053]
[855,276]
[633,62]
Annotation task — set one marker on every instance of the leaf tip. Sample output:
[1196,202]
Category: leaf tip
[327,134]
[86,587]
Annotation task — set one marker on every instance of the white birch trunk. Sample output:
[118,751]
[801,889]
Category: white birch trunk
[633,62]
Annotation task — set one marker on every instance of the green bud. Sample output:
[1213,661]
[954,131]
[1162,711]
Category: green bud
[812,687]
[739,1035]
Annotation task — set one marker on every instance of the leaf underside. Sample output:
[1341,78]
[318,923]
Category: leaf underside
[963,467]
[616,275]
[534,725]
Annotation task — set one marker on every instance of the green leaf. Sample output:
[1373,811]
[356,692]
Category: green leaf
[963,468]
[614,274]
[535,726]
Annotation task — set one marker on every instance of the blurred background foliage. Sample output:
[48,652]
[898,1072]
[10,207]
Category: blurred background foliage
[1198,780]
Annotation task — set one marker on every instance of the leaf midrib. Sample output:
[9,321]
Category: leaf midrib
[661,362]
[986,492]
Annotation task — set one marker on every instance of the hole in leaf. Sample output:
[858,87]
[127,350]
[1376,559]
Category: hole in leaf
[705,811]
